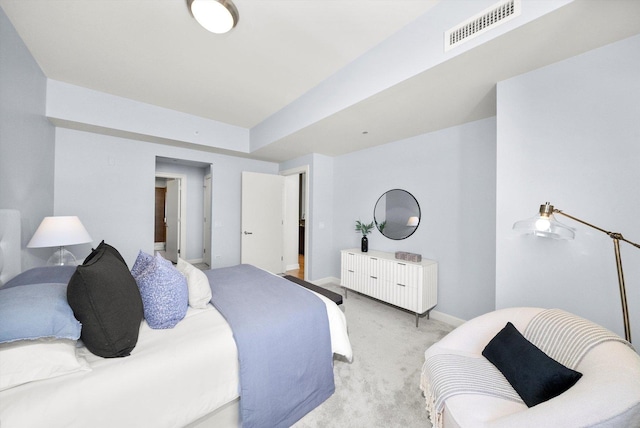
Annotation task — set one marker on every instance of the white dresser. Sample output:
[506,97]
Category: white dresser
[408,285]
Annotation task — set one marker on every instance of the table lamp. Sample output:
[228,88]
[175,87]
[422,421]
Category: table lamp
[60,231]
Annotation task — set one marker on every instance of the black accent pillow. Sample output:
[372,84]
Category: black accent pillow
[106,300]
[104,245]
[534,375]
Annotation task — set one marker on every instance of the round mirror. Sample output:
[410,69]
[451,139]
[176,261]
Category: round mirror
[397,214]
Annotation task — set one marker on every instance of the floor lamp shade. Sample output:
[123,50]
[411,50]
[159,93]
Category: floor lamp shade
[60,231]
[545,225]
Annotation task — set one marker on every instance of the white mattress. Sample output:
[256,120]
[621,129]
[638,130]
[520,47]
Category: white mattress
[172,378]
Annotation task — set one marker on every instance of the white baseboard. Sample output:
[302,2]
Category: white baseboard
[194,261]
[327,280]
[158,246]
[436,315]
[446,318]
[292,267]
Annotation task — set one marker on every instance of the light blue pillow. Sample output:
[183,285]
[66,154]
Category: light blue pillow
[164,291]
[36,311]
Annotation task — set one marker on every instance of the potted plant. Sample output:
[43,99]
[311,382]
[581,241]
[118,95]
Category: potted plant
[365,229]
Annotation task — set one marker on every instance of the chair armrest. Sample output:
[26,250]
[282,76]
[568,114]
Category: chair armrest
[472,336]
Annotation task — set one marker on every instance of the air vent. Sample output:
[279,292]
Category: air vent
[486,20]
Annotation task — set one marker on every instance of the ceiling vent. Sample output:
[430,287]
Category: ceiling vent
[486,20]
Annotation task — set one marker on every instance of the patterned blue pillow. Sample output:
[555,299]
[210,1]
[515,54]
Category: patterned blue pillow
[165,296]
[141,263]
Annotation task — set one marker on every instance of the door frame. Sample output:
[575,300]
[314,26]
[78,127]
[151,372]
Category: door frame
[182,243]
[208,216]
[304,169]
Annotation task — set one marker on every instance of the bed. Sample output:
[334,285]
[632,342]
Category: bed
[194,374]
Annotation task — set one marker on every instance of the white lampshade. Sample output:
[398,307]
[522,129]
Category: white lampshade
[413,221]
[59,231]
[217,16]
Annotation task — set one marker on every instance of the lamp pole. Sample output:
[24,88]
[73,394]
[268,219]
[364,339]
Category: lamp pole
[617,237]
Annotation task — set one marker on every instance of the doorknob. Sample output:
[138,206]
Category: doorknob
[248,233]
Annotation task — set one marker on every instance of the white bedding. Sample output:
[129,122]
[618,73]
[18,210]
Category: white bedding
[340,343]
[172,378]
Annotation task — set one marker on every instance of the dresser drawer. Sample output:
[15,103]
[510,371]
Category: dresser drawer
[411,286]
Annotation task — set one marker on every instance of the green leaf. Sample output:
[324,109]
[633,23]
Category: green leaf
[363,227]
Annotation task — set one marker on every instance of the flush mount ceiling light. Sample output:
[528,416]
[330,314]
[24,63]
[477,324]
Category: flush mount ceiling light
[217,16]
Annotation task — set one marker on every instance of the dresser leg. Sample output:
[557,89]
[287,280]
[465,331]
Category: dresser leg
[418,316]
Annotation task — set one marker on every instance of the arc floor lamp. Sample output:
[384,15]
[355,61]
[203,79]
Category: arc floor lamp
[544,224]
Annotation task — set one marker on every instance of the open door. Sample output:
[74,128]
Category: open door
[262,221]
[173,220]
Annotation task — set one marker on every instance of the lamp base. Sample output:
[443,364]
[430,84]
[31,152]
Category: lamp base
[62,257]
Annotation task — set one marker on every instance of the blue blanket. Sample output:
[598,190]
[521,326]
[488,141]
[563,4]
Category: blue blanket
[284,347]
[42,275]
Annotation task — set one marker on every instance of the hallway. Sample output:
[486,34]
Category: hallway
[298,273]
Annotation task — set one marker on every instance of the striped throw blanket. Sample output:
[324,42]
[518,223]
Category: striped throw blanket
[565,337]
[446,375]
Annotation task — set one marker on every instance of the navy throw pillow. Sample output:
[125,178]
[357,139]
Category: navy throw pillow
[534,375]
[104,246]
[106,300]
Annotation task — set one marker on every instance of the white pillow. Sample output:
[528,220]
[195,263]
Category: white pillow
[198,284]
[30,360]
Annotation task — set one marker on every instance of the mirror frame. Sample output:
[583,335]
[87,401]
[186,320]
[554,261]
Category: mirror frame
[375,220]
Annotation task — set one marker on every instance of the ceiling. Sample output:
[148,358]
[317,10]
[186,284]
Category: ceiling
[153,51]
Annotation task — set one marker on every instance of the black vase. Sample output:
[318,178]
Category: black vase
[364,244]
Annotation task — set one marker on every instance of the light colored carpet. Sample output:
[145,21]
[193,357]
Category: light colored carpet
[381,387]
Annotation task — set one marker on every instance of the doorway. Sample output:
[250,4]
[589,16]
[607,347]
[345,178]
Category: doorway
[170,215]
[159,231]
[195,207]
[206,227]
[297,237]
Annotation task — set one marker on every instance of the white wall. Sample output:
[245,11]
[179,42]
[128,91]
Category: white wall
[569,134]
[26,140]
[451,173]
[108,182]
[77,107]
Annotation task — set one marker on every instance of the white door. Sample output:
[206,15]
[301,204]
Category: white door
[173,220]
[206,258]
[262,221]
